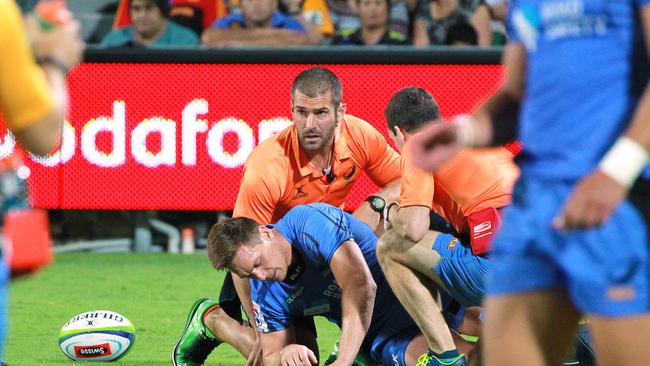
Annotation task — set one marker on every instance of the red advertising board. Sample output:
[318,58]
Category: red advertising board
[175,136]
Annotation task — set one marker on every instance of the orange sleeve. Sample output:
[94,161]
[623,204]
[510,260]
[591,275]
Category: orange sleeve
[417,186]
[258,196]
[381,161]
[24,92]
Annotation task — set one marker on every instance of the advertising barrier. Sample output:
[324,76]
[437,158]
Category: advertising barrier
[175,136]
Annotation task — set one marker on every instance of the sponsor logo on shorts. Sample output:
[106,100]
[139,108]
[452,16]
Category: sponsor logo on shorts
[482,229]
[94,351]
[621,293]
[452,244]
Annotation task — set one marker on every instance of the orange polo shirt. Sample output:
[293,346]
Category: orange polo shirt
[474,179]
[278,175]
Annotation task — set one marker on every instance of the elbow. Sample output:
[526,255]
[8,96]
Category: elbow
[368,287]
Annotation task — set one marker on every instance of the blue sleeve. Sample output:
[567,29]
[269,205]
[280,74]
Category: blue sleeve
[114,38]
[292,24]
[325,229]
[270,315]
[510,30]
[222,23]
[643,3]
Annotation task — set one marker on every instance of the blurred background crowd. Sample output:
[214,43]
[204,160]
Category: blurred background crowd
[237,23]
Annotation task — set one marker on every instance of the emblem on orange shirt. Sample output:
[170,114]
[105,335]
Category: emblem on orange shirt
[350,172]
[299,193]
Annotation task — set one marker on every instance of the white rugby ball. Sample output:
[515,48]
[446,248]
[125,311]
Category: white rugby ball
[99,335]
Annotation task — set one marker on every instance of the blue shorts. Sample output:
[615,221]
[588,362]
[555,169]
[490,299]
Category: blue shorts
[391,349]
[462,273]
[389,335]
[605,270]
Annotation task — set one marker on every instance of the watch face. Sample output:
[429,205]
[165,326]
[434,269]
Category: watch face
[378,203]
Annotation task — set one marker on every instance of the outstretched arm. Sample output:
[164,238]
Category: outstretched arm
[597,195]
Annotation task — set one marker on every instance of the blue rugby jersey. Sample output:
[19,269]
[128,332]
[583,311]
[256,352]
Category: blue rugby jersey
[586,69]
[316,231]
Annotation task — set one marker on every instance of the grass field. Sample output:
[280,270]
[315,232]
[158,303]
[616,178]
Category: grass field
[154,291]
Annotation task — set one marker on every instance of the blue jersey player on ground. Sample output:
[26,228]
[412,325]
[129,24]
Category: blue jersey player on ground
[575,239]
[318,260]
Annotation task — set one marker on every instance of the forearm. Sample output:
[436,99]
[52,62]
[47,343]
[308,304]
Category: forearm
[42,137]
[365,213]
[639,128]
[243,288]
[357,309]
[497,120]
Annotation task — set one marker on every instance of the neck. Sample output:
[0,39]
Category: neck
[260,24]
[322,159]
[150,39]
[285,246]
[372,35]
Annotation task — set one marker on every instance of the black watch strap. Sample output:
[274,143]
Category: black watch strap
[377,203]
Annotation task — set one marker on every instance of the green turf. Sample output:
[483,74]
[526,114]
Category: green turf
[154,291]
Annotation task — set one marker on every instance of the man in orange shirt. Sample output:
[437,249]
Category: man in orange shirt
[466,192]
[317,159]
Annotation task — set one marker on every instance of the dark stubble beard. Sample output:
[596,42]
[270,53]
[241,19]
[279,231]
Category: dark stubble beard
[325,138]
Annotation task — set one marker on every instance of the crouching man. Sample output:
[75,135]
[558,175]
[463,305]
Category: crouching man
[317,260]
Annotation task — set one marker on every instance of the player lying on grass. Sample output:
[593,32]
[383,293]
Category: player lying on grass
[316,260]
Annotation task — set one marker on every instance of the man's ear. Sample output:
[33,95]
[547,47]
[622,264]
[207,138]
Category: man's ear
[266,234]
[342,108]
[399,132]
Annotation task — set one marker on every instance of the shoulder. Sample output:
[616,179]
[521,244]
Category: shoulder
[181,33]
[282,21]
[272,154]
[118,36]
[357,128]
[226,21]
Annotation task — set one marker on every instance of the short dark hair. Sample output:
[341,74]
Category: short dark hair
[226,237]
[411,108]
[316,81]
[461,32]
[163,5]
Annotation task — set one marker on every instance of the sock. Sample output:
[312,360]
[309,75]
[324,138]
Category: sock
[447,356]
[207,330]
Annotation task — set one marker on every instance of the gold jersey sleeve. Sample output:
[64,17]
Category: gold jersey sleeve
[24,92]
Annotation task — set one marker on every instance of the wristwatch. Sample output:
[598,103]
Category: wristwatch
[377,203]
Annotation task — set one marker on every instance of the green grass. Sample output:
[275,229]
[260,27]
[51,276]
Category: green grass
[154,291]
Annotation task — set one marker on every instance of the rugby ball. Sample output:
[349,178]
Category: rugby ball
[99,335]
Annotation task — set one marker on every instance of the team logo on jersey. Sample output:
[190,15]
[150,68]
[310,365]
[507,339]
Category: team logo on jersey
[452,244]
[260,322]
[350,173]
[299,193]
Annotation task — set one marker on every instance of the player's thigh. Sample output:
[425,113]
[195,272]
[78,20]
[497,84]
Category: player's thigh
[621,341]
[537,328]
[418,256]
